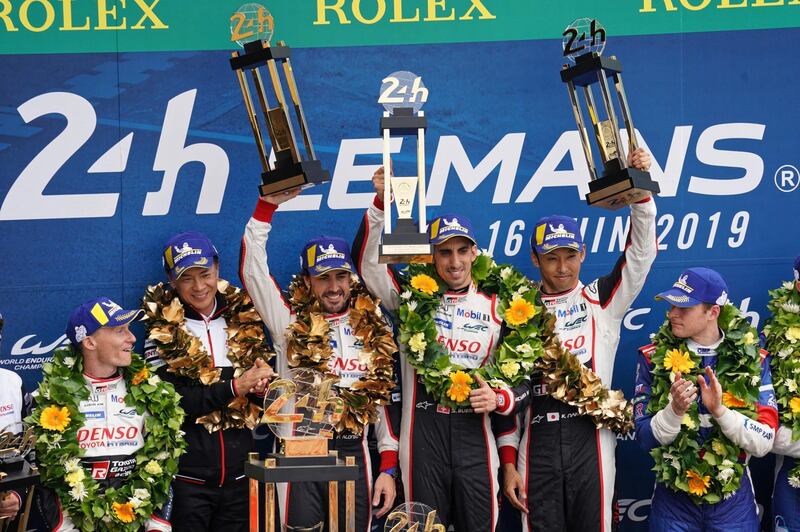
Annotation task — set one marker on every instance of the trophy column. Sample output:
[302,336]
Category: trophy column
[292,168]
[402,96]
[615,185]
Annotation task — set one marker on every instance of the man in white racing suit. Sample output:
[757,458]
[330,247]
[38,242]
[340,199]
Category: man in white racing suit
[448,457]
[326,270]
[563,478]
[112,432]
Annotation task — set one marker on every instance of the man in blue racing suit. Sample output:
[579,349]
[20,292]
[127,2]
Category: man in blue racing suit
[696,299]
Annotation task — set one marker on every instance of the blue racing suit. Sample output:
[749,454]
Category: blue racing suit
[675,511]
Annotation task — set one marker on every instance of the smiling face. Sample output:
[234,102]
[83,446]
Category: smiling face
[453,261]
[560,269]
[198,288]
[332,289]
[107,349]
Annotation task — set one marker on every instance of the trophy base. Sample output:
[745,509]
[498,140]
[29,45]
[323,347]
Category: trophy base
[286,177]
[621,188]
[405,245]
[325,460]
[305,447]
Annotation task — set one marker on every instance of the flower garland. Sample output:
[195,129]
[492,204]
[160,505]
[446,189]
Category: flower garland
[782,332]
[707,471]
[187,357]
[56,421]
[531,345]
[308,346]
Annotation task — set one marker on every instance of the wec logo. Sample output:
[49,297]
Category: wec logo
[25,346]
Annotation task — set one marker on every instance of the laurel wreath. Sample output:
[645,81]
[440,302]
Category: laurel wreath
[186,356]
[530,346]
[58,453]
[711,470]
[308,346]
[782,333]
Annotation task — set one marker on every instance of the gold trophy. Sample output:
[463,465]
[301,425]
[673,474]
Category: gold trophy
[252,27]
[16,473]
[618,185]
[302,412]
[402,96]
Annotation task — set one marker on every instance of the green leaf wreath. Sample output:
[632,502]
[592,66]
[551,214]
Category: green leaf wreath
[711,470]
[56,421]
[782,333]
[530,345]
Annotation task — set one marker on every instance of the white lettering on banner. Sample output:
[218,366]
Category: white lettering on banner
[172,154]
[687,229]
[26,199]
[450,153]
[346,172]
[787,178]
[634,313]
[20,349]
[707,153]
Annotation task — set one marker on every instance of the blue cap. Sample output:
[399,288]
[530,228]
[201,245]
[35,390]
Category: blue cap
[797,269]
[326,253]
[696,286]
[101,312]
[553,232]
[188,250]
[444,227]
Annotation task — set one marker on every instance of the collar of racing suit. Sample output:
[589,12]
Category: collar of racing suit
[705,350]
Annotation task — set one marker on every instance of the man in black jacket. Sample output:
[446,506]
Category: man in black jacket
[192,338]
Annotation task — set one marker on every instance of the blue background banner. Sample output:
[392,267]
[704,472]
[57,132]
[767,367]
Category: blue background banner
[104,156]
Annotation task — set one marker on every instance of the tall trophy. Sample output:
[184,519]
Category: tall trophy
[618,184]
[302,411]
[402,97]
[252,27]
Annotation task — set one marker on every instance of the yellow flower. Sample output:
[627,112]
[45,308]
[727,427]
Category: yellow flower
[749,338]
[730,400]
[425,284]
[509,368]
[124,511]
[75,477]
[55,418]
[519,311]
[793,334]
[140,376]
[718,447]
[677,360]
[794,404]
[417,343]
[153,468]
[688,421]
[698,484]
[459,387]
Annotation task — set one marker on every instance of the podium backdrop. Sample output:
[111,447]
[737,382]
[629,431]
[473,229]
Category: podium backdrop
[122,123]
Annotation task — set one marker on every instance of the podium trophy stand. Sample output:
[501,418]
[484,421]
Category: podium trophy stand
[16,473]
[301,412]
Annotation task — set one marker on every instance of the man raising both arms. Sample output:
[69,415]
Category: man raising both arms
[360,352]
